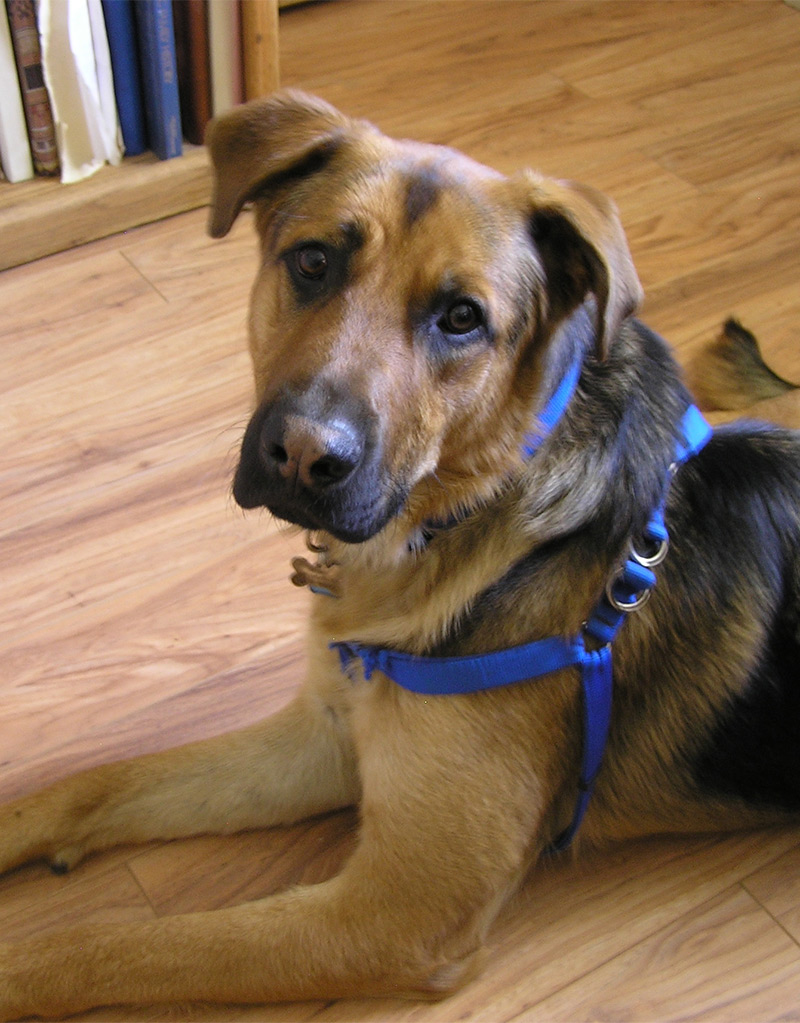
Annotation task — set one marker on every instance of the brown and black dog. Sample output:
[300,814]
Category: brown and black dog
[412,314]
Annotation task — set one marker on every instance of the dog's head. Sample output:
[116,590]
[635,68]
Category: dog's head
[401,314]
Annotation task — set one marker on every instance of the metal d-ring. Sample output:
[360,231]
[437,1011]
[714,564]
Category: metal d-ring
[637,601]
[651,560]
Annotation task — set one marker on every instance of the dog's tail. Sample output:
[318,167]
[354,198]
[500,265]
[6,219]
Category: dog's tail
[731,372]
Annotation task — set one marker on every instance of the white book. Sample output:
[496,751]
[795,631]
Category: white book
[112,132]
[15,151]
[225,55]
[86,140]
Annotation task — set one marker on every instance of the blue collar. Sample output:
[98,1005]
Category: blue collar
[553,410]
[546,421]
[626,592]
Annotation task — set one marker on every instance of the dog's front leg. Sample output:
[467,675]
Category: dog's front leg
[336,939]
[450,817]
[297,763]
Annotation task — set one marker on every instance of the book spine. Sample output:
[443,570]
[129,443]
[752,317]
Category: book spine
[225,46]
[190,18]
[15,151]
[159,76]
[121,31]
[41,131]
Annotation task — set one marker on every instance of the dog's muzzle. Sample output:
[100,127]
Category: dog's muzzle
[313,458]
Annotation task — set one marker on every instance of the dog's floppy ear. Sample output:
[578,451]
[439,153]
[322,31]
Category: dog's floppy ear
[258,144]
[579,238]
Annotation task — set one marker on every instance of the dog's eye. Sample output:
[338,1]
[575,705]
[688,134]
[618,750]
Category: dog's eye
[311,262]
[461,318]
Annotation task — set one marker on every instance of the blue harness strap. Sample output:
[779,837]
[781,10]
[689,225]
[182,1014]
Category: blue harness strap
[627,591]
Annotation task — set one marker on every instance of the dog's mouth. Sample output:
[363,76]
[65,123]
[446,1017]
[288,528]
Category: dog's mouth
[345,512]
[317,464]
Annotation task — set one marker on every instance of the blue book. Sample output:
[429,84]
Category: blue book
[121,31]
[159,76]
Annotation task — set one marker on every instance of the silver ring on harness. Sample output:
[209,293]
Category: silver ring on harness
[651,560]
[636,601]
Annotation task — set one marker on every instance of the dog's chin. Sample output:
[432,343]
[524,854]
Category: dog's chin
[352,524]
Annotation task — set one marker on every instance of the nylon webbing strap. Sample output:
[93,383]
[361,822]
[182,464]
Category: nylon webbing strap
[449,676]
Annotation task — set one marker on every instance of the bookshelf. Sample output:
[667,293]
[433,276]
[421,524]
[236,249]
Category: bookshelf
[42,216]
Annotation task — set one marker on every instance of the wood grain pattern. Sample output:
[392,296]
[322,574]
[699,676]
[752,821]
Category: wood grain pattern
[260,45]
[43,216]
[139,608]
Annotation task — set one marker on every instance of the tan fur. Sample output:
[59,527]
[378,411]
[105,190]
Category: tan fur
[459,795]
[731,372]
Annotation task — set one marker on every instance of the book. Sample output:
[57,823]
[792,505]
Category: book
[159,76]
[109,121]
[225,48]
[36,102]
[121,30]
[15,150]
[78,75]
[190,18]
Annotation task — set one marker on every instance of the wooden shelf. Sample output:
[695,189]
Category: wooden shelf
[42,216]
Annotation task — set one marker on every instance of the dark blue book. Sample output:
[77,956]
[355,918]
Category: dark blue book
[159,76]
[121,31]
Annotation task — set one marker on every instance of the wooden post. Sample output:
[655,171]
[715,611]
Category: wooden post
[260,47]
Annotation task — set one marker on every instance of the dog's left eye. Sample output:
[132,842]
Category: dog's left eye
[461,318]
[311,262]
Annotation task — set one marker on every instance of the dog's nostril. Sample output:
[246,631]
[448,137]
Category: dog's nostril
[330,469]
[278,454]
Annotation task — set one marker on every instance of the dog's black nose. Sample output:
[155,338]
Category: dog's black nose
[316,454]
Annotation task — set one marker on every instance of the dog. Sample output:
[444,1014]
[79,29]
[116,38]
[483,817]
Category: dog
[455,401]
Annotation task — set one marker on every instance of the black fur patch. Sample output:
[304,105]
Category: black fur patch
[751,487]
[421,195]
[754,752]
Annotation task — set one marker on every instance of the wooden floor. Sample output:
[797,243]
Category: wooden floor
[139,608]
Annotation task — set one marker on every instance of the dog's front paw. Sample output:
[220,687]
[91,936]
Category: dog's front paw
[27,833]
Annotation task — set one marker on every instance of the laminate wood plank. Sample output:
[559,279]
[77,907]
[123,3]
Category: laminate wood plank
[730,150]
[695,298]
[637,41]
[39,328]
[659,77]
[734,961]
[177,258]
[105,890]
[219,872]
[776,886]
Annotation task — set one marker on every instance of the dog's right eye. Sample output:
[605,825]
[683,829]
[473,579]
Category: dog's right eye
[311,262]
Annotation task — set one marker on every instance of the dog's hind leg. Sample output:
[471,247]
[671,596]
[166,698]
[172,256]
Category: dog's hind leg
[297,763]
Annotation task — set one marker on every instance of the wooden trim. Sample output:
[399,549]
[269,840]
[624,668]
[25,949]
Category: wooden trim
[260,46]
[43,216]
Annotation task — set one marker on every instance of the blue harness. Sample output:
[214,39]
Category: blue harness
[627,591]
